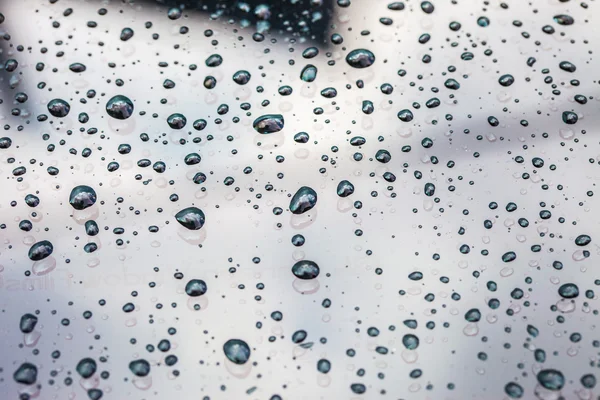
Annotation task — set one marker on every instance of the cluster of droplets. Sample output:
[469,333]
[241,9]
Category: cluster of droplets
[303,200]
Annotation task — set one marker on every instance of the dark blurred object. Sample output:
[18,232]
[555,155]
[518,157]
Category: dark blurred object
[308,19]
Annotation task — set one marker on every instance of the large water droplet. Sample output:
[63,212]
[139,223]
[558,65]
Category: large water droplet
[304,199]
[28,323]
[139,367]
[305,270]
[360,58]
[119,107]
[86,367]
[59,108]
[26,374]
[551,379]
[40,250]
[192,218]
[195,288]
[82,197]
[237,351]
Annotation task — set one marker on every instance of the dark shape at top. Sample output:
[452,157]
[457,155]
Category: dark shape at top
[293,18]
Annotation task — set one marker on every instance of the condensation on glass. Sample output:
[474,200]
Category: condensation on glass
[299,200]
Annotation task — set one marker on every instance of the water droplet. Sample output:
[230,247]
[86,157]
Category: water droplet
[191,218]
[40,250]
[82,197]
[59,108]
[237,351]
[304,200]
[269,123]
[360,58]
[119,107]
[305,270]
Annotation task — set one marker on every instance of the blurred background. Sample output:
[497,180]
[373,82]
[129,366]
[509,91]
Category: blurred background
[401,229]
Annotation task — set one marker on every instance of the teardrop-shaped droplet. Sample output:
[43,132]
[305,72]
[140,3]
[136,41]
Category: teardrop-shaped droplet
[192,218]
[126,34]
[119,107]
[304,200]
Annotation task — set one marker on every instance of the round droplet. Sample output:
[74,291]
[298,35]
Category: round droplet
[241,77]
[569,117]
[427,7]
[513,390]
[360,58]
[59,108]
[5,142]
[86,367]
[174,13]
[383,156]
[237,351]
[483,22]
[40,250]
[473,315]
[410,341]
[506,80]
[304,200]
[119,107]
[140,367]
[82,197]
[568,291]
[306,270]
[195,288]
[269,123]
[176,121]
[551,379]
[95,394]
